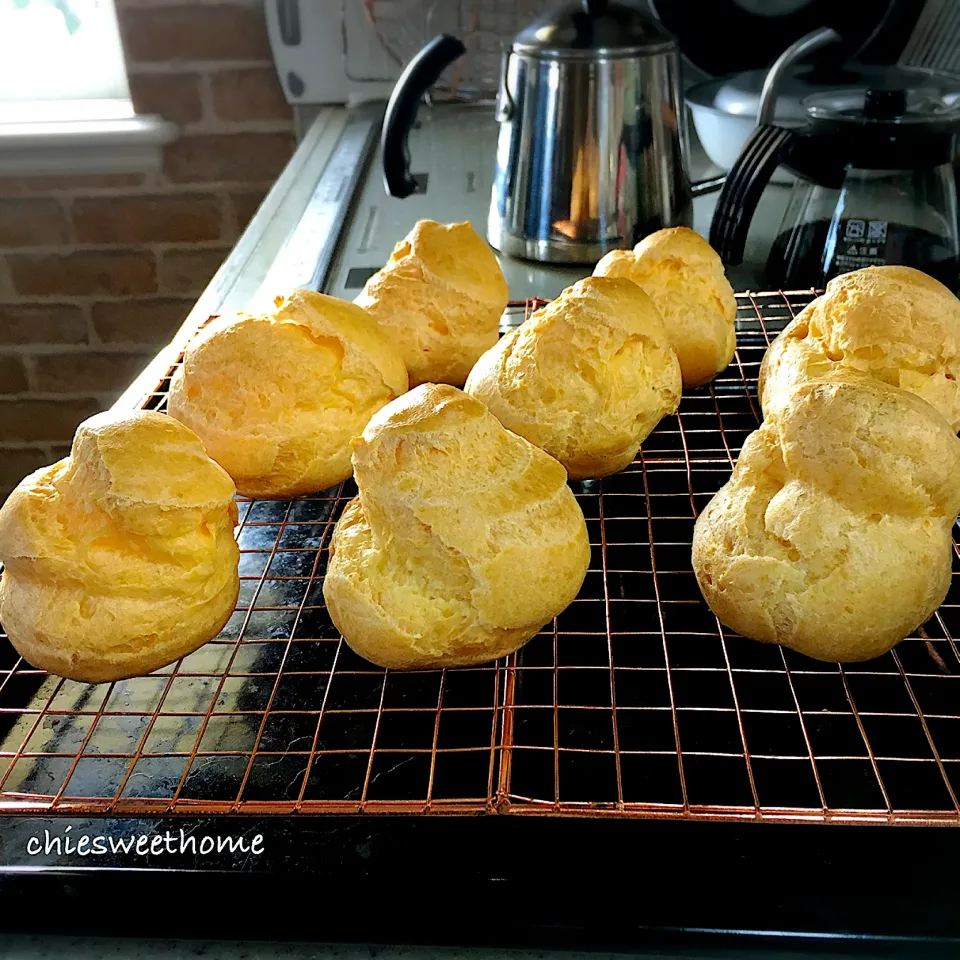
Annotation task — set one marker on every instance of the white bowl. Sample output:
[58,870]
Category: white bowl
[722,136]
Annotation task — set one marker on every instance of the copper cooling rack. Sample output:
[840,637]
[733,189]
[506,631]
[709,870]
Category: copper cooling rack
[634,702]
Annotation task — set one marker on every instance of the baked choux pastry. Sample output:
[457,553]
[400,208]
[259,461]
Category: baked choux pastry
[277,398]
[586,378]
[119,559]
[439,299]
[833,535]
[463,542]
[684,277]
[895,324]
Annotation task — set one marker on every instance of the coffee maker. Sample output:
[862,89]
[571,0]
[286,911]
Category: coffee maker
[875,184]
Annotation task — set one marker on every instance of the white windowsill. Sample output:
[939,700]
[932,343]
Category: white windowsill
[128,145]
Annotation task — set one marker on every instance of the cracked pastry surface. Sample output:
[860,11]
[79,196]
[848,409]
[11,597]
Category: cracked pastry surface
[585,378]
[684,277]
[277,398]
[892,323]
[120,558]
[833,535]
[463,542]
[439,299]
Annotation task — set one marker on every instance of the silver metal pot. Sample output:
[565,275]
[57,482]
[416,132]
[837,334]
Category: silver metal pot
[590,154]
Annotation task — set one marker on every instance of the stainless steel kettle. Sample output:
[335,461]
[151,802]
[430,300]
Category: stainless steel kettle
[590,153]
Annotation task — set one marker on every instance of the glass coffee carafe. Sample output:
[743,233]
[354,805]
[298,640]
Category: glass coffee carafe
[875,185]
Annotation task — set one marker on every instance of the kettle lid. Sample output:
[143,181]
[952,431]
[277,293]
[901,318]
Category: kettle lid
[589,29]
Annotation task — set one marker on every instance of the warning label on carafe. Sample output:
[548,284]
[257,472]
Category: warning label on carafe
[861,243]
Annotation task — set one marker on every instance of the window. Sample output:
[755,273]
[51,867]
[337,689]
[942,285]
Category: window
[64,98]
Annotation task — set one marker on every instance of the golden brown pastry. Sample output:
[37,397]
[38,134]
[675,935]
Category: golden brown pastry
[833,536]
[684,277]
[277,398]
[463,542]
[892,323]
[119,559]
[439,299]
[586,378]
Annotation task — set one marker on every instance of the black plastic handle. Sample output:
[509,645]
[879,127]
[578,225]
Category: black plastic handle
[765,149]
[420,74]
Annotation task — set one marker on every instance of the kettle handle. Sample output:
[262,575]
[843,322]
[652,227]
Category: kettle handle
[764,150]
[420,74]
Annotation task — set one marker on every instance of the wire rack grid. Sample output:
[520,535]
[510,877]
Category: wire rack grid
[635,701]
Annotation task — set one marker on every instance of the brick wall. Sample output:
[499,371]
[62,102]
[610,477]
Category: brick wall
[97,272]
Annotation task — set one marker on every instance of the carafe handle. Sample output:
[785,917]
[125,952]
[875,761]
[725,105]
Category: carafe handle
[420,74]
[765,149]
